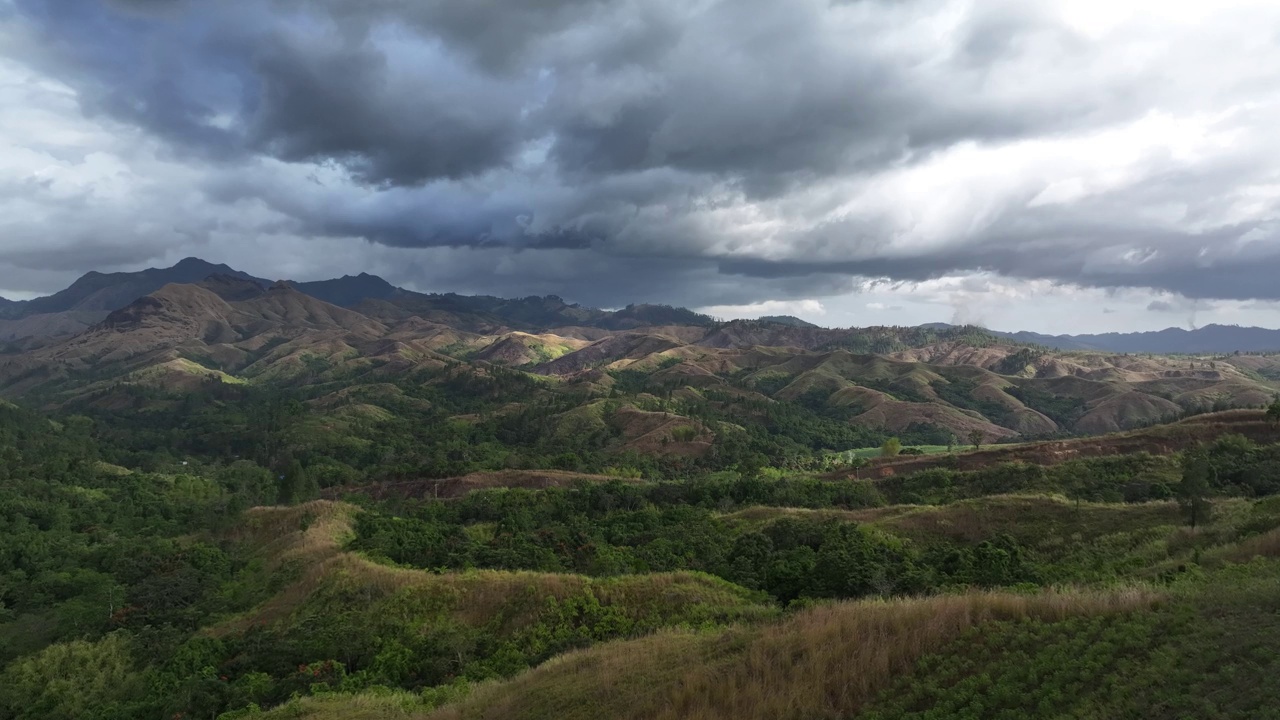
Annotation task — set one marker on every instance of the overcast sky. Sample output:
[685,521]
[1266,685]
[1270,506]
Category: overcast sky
[1058,166]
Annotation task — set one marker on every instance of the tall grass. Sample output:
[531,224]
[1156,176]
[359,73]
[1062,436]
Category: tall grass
[1266,545]
[308,532]
[825,662]
[305,543]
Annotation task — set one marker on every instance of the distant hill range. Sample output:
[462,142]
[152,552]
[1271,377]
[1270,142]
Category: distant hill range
[90,299]
[104,292]
[1208,340]
[362,350]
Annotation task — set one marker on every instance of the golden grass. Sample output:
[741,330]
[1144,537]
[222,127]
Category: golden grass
[765,514]
[476,597]
[309,536]
[365,706]
[278,533]
[1037,519]
[473,597]
[826,662]
[1265,545]
[1027,518]
[455,487]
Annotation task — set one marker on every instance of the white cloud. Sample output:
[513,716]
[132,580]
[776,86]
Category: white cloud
[803,309]
[996,160]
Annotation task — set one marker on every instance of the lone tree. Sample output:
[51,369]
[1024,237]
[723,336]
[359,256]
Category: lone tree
[1193,491]
[891,448]
[975,437]
[1273,413]
[857,463]
[296,487]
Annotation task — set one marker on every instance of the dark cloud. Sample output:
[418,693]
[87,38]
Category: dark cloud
[768,94]
[708,153]
[332,99]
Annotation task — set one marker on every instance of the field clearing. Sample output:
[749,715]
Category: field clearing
[875,452]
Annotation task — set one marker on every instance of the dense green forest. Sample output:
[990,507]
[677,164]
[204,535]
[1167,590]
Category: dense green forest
[422,437]
[140,576]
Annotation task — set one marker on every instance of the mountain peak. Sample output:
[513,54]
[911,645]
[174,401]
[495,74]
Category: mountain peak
[194,262]
[349,290]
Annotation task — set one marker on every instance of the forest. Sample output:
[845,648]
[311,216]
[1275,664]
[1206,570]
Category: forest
[205,579]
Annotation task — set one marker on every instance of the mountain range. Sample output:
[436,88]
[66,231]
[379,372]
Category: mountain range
[646,378]
[89,299]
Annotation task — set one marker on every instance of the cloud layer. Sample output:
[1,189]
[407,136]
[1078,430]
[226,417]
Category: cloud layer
[708,153]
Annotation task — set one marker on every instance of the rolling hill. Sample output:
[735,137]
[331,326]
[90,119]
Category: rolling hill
[639,537]
[645,380]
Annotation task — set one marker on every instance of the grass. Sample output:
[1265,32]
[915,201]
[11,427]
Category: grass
[1210,651]
[310,532]
[824,662]
[686,645]
[327,592]
[1043,521]
[1069,541]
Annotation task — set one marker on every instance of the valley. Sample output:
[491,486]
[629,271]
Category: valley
[227,498]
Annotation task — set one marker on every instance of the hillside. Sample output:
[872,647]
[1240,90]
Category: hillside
[174,551]
[653,389]
[93,296]
[98,292]
[1042,653]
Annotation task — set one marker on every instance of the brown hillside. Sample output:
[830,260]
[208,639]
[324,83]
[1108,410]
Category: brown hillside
[455,487]
[1162,439]
[613,350]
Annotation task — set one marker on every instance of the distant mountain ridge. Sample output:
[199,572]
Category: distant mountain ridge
[104,292]
[349,290]
[932,383]
[90,298]
[94,295]
[1210,339]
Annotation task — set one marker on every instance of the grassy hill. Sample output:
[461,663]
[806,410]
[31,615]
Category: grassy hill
[533,510]
[823,662]
[648,388]
[1164,643]
[1005,589]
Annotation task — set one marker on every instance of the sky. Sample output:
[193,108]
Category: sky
[1062,166]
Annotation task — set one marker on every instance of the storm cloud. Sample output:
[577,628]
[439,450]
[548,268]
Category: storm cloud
[708,153]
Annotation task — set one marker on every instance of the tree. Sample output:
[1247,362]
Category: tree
[951,442]
[891,448]
[1194,489]
[296,487]
[857,463]
[70,680]
[1273,413]
[975,437]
